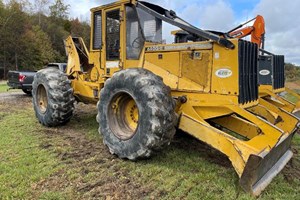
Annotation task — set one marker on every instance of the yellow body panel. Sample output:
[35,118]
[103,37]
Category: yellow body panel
[84,90]
[196,66]
[267,93]
[267,114]
[225,59]
[169,79]
[170,61]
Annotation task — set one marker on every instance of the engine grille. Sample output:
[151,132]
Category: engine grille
[278,72]
[248,79]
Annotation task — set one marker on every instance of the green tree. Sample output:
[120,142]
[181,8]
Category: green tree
[59,10]
[40,8]
[39,49]
[81,29]
[31,38]
[292,72]
[58,27]
[13,24]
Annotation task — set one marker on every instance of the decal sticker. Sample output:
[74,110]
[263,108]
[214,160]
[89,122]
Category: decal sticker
[264,72]
[112,64]
[217,55]
[224,73]
[178,47]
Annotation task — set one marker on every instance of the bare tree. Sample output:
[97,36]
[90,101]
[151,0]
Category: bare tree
[40,7]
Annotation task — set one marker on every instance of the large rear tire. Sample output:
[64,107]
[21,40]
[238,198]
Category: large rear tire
[136,114]
[53,99]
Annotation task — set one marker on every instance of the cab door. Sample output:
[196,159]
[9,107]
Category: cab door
[113,41]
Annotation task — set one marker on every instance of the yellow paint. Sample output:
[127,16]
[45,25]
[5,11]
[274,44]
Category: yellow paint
[169,79]
[225,59]
[267,93]
[197,69]
[262,111]
[131,114]
[238,125]
[169,61]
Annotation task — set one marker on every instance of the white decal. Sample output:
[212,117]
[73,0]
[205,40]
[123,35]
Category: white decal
[217,55]
[223,73]
[113,64]
[264,72]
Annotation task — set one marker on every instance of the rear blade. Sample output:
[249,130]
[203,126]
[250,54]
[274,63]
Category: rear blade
[261,169]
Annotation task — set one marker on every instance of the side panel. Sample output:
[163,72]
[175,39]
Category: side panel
[225,70]
[169,79]
[265,70]
[196,66]
[182,70]
[169,61]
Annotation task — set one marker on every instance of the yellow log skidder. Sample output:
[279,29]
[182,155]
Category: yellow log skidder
[145,89]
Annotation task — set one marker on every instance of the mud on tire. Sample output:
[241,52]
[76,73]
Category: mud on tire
[53,99]
[136,114]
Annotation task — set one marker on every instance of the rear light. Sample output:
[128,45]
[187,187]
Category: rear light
[21,78]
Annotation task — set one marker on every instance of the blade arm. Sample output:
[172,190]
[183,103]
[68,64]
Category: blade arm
[170,17]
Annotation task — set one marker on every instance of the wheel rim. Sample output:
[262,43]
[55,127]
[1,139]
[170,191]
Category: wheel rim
[123,116]
[42,99]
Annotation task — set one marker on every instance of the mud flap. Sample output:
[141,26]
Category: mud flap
[261,169]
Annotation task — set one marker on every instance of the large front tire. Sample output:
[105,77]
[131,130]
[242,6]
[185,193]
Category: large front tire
[53,99]
[136,114]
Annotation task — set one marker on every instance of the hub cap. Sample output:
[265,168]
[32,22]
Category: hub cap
[123,116]
[42,100]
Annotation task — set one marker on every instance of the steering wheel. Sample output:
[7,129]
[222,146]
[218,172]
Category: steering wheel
[137,42]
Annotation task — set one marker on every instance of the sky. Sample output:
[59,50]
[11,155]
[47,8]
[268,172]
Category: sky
[282,18]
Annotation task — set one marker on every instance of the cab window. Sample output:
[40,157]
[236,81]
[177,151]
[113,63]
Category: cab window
[134,37]
[113,35]
[97,42]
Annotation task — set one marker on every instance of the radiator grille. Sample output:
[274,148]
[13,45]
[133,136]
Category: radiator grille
[248,79]
[278,72]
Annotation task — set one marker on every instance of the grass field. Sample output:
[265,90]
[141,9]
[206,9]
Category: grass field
[71,162]
[3,86]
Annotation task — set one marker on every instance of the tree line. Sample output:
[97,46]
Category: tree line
[292,72]
[31,34]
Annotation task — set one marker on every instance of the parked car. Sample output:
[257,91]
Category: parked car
[23,79]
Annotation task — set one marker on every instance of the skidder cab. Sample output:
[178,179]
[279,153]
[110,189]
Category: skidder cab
[146,88]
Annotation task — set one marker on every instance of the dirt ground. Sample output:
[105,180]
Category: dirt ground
[85,156]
